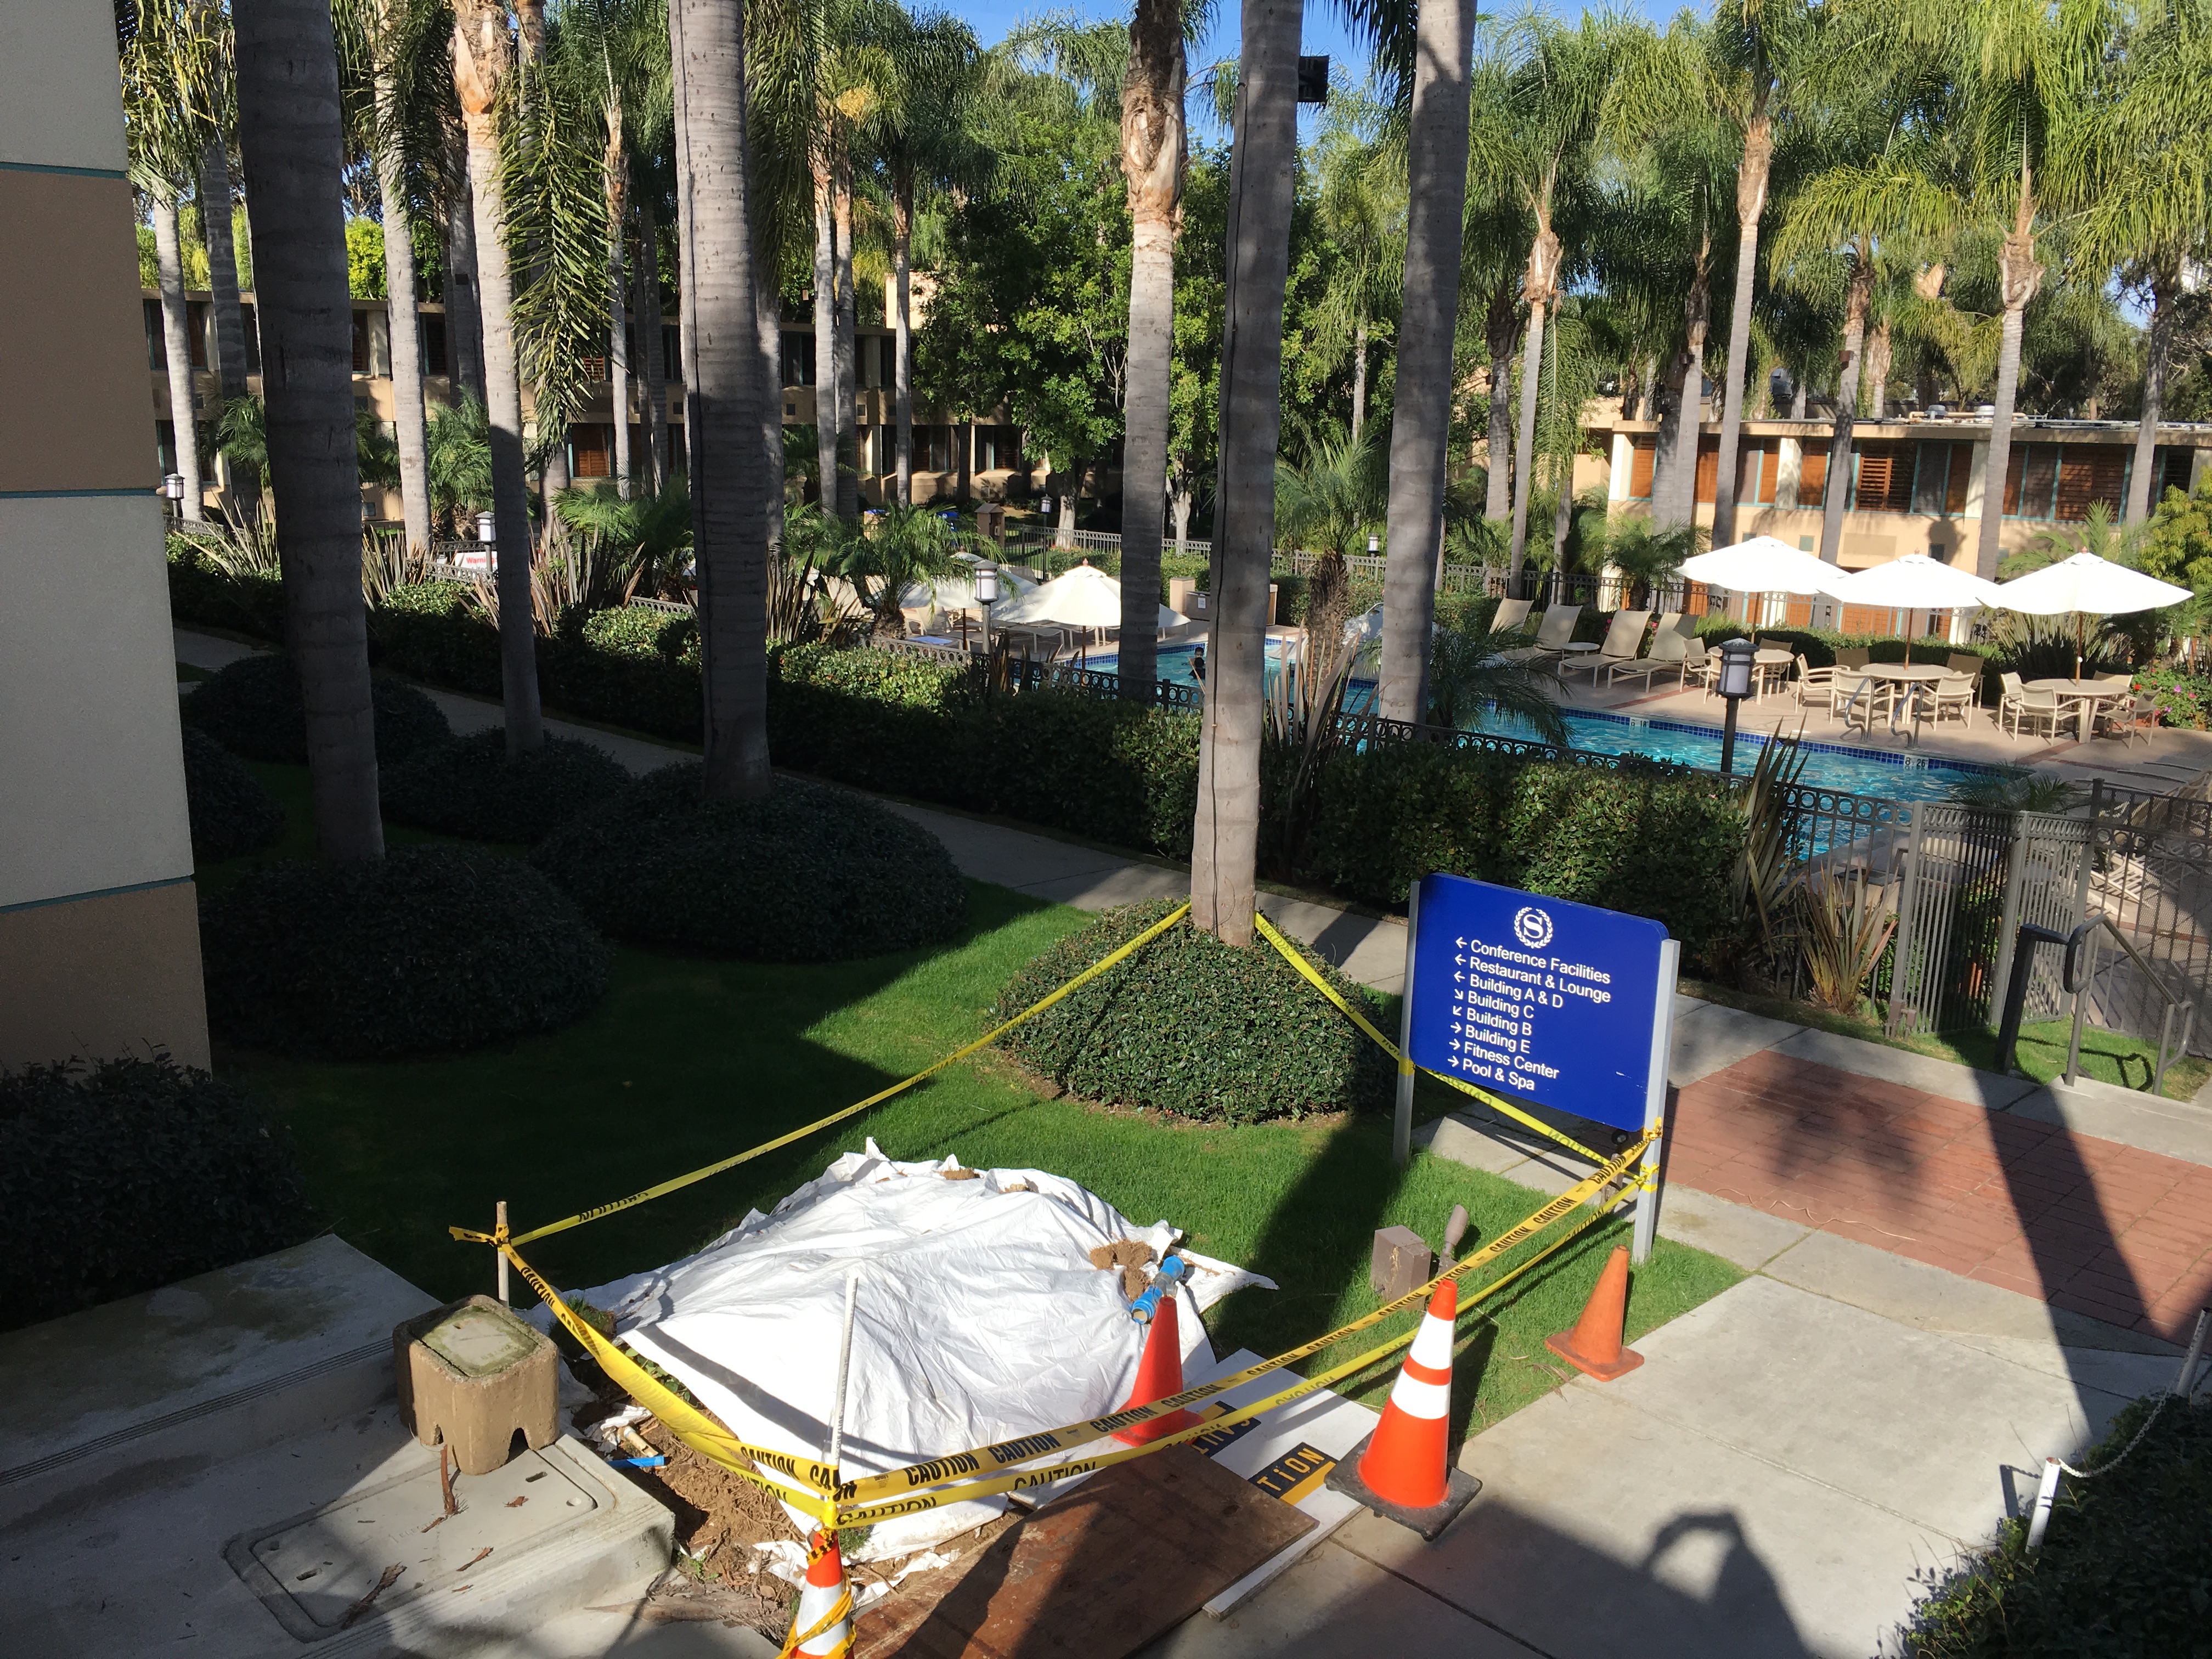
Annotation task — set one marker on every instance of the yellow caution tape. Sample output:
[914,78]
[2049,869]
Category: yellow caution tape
[1296,959]
[469,1236]
[1027,1449]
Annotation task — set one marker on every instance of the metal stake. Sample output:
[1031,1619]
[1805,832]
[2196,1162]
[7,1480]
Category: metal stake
[499,1231]
[844,1370]
[2046,1495]
[1655,1105]
[1401,1124]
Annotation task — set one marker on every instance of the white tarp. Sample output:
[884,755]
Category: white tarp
[980,1318]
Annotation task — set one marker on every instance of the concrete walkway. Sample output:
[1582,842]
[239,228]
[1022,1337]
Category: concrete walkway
[1796,1456]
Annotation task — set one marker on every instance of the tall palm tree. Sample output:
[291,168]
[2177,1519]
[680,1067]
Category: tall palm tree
[482,61]
[1421,411]
[1361,210]
[216,229]
[1155,153]
[394,51]
[1225,829]
[291,133]
[724,389]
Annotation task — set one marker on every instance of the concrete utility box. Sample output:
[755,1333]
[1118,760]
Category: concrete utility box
[1401,1263]
[472,1374]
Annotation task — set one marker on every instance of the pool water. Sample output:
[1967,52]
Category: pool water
[1898,775]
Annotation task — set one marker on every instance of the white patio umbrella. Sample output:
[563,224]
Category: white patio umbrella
[1761,565]
[1914,582]
[1086,597]
[2083,587]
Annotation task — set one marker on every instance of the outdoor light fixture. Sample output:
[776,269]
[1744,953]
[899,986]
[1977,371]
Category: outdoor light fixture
[173,486]
[487,528]
[986,595]
[1738,659]
[1374,544]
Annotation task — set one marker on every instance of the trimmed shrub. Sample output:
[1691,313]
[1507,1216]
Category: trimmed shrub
[802,874]
[470,787]
[429,950]
[434,631]
[1195,1027]
[231,813]
[131,1175]
[201,591]
[2124,1572]
[254,708]
[629,666]
[1648,840]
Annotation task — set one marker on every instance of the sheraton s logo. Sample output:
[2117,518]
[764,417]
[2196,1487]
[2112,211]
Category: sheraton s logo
[1531,927]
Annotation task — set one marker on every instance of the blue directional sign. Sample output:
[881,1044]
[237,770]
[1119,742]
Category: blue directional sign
[1552,1001]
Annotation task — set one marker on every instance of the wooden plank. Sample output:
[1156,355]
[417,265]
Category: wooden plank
[1123,1558]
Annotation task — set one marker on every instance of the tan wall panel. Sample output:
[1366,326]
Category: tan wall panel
[92,778]
[61,102]
[97,978]
[72,337]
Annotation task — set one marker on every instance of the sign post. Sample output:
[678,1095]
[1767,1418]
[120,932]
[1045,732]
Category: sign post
[1402,1125]
[1562,1004]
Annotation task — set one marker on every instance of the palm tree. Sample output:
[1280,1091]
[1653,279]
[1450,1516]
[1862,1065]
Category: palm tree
[724,389]
[1361,208]
[1420,412]
[481,62]
[393,52]
[1154,154]
[1331,501]
[290,130]
[1225,838]
[216,225]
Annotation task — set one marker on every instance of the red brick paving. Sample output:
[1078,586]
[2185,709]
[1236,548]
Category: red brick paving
[2091,1225]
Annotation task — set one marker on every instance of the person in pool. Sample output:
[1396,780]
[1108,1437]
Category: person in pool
[1198,662]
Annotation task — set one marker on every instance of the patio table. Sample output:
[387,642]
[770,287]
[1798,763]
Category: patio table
[1893,674]
[1768,658]
[2085,698]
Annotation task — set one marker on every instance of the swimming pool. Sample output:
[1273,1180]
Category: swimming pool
[1900,776]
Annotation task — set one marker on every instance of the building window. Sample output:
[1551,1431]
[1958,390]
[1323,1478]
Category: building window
[2174,466]
[1939,482]
[1885,477]
[1812,478]
[252,325]
[998,448]
[1642,452]
[157,344]
[1708,468]
[797,358]
[587,449]
[1759,471]
[361,343]
[2087,474]
[2031,479]
[434,344]
[196,330]
[671,353]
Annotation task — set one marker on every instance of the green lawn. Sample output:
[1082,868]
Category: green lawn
[690,1060]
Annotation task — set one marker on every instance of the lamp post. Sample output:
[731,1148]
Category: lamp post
[1738,658]
[986,595]
[173,491]
[487,537]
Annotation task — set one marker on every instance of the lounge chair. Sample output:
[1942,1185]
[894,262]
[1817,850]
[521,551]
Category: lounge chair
[1552,633]
[1669,653]
[1512,616]
[1624,642]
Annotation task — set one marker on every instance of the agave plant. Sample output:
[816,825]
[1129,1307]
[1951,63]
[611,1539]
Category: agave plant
[1761,881]
[1847,922]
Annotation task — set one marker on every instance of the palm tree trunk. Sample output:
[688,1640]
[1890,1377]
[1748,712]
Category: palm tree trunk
[1359,377]
[1678,504]
[653,379]
[842,354]
[406,336]
[1225,829]
[1838,485]
[903,327]
[724,393]
[1878,359]
[464,316]
[1524,447]
[1750,203]
[222,269]
[768,314]
[2158,348]
[177,347]
[1563,509]
[1501,329]
[480,61]
[1420,411]
[289,124]
[1663,398]
[2019,275]
[825,338]
[617,178]
[1152,157]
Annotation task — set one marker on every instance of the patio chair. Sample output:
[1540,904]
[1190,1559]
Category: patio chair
[1624,643]
[1552,633]
[2119,717]
[1512,616]
[1815,686]
[1952,695]
[1851,656]
[1669,653]
[2021,704]
[1699,663]
[1856,699]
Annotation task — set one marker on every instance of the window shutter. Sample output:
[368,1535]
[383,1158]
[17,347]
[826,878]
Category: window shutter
[1643,452]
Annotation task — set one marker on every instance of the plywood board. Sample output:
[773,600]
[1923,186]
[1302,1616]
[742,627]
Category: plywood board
[1116,1563]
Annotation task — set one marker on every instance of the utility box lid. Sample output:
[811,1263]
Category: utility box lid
[478,1341]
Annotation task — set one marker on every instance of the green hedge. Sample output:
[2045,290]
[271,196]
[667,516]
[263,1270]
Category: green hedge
[1195,1027]
[201,591]
[470,787]
[130,1176]
[802,874]
[429,950]
[254,708]
[231,813]
[2126,1568]
[1648,840]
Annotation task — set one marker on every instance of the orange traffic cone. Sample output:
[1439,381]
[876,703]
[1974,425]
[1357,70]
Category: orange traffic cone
[1405,1470]
[1594,1346]
[1160,1374]
[824,1601]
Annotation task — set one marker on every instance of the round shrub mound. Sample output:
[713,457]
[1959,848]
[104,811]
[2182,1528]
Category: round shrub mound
[231,813]
[469,787]
[1192,1026]
[129,1175]
[429,950]
[802,874]
[254,708]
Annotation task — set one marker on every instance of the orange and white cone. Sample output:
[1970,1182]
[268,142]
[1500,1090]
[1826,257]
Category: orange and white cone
[1408,1460]
[1160,1374]
[823,1600]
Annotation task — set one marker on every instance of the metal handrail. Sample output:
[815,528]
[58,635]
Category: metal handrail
[2079,992]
